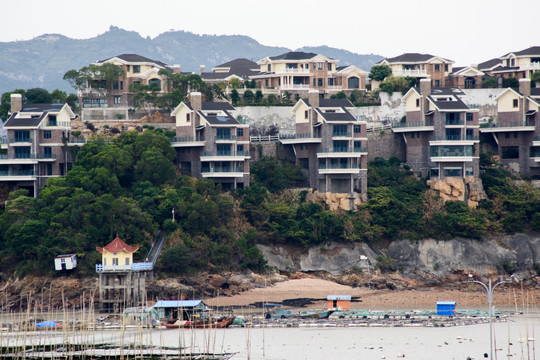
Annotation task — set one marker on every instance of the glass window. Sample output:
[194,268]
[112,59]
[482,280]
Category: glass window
[22,136]
[339,130]
[115,85]
[434,173]
[306,114]
[453,172]
[510,152]
[117,99]
[224,134]
[127,261]
[224,149]
[417,102]
[437,67]
[47,134]
[52,120]
[240,132]
[319,82]
[469,117]
[357,129]
[329,66]
[353,83]
[240,149]
[187,117]
[515,103]
[469,171]
[115,261]
[47,152]
[136,68]
[22,152]
[340,146]
[155,84]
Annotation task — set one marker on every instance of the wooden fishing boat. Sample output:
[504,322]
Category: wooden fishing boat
[201,323]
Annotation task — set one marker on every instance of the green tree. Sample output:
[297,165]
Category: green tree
[489,82]
[258,96]
[235,83]
[58,96]
[535,78]
[5,103]
[95,79]
[248,96]
[235,97]
[38,96]
[380,72]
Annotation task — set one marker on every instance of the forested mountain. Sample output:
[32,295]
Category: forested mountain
[42,61]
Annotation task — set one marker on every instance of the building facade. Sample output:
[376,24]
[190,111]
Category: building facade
[330,145]
[36,147]
[211,143]
[441,133]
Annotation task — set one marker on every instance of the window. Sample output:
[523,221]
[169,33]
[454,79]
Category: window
[357,129]
[52,120]
[453,172]
[115,85]
[224,149]
[434,173]
[240,149]
[187,117]
[239,132]
[117,100]
[47,152]
[353,83]
[223,134]
[417,102]
[22,136]
[339,130]
[357,146]
[306,114]
[127,261]
[446,67]
[437,83]
[469,117]
[507,135]
[340,146]
[121,85]
[269,68]
[330,82]
[47,134]
[314,82]
[155,84]
[115,261]
[329,67]
[469,171]
[515,135]
[437,68]
[136,68]
[128,67]
[319,82]
[48,169]
[510,152]
[412,135]
[515,103]
[320,66]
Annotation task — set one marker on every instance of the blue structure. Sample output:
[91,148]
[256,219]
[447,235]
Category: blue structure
[446,308]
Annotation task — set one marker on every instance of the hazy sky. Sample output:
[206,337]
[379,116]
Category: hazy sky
[466,31]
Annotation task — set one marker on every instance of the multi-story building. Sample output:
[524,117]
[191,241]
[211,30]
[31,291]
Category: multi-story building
[330,145]
[440,133]
[138,69]
[240,69]
[466,77]
[519,64]
[211,143]
[36,146]
[515,136]
[298,72]
[421,66]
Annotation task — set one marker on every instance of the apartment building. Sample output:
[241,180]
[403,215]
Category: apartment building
[515,136]
[421,66]
[330,145]
[211,143]
[138,69]
[441,133]
[299,72]
[36,146]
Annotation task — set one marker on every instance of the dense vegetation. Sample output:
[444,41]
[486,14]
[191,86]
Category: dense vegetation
[129,186]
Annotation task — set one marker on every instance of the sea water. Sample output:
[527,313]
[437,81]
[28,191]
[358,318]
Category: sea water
[514,337]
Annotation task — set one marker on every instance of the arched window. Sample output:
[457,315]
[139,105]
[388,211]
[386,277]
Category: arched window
[353,83]
[155,83]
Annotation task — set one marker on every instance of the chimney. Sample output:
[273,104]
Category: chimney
[524,87]
[202,69]
[196,101]
[313,98]
[425,86]
[16,103]
[176,69]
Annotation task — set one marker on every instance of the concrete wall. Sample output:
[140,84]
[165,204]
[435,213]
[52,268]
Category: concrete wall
[385,145]
[259,116]
[484,100]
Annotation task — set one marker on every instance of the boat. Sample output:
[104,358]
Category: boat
[273,311]
[316,314]
[201,323]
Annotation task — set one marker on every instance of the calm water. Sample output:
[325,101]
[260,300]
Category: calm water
[420,343]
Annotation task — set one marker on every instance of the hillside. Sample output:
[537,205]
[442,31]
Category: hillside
[42,61]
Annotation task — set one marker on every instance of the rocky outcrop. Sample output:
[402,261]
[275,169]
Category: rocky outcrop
[468,189]
[343,201]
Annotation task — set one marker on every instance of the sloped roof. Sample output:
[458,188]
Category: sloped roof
[332,103]
[212,105]
[456,104]
[226,119]
[15,121]
[41,107]
[116,246]
[294,55]
[412,57]
[535,91]
[135,58]
[532,51]
[242,67]
[489,64]
[336,116]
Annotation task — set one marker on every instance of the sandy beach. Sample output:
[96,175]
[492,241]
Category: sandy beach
[469,296]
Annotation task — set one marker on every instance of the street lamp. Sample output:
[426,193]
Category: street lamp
[489,288]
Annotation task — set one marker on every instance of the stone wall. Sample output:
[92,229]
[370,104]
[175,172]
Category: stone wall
[467,189]
[385,145]
[267,116]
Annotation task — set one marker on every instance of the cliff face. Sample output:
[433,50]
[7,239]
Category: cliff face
[423,259]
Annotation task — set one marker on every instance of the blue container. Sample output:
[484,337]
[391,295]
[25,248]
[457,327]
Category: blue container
[446,308]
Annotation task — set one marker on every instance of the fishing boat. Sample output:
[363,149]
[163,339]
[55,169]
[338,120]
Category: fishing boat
[316,314]
[201,323]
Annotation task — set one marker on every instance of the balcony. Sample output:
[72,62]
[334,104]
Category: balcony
[186,141]
[339,169]
[304,138]
[531,66]
[454,139]
[412,126]
[341,152]
[143,266]
[224,155]
[454,122]
[46,157]
[294,87]
[4,142]
[221,172]
[335,87]
[18,158]
[77,141]
[451,154]
[288,70]
[508,126]
[16,175]
[20,141]
[411,72]
[536,141]
[225,137]
[341,134]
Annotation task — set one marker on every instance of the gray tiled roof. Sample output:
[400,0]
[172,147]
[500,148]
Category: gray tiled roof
[506,68]
[220,120]
[489,64]
[136,58]
[212,105]
[535,91]
[337,116]
[42,107]
[532,51]
[332,103]
[13,121]
[457,104]
[411,57]
[294,55]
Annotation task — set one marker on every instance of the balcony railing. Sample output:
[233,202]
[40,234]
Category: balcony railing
[225,137]
[414,124]
[536,138]
[437,152]
[184,139]
[335,87]
[77,140]
[296,70]
[224,153]
[455,138]
[20,140]
[411,72]
[341,134]
[295,87]
[17,156]
[3,140]
[16,172]
[455,122]
[222,170]
[338,166]
[532,66]
[143,266]
[342,150]
[297,136]
[46,156]
[507,124]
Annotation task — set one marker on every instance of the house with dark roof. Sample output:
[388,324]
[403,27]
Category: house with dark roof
[519,64]
[298,72]
[138,69]
[421,66]
[211,143]
[467,77]
[515,135]
[240,69]
[487,67]
[36,146]
[330,145]
[440,133]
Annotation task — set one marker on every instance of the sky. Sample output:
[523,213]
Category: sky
[465,31]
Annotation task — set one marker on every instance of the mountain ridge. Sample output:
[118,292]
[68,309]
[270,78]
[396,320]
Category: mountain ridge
[43,60]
